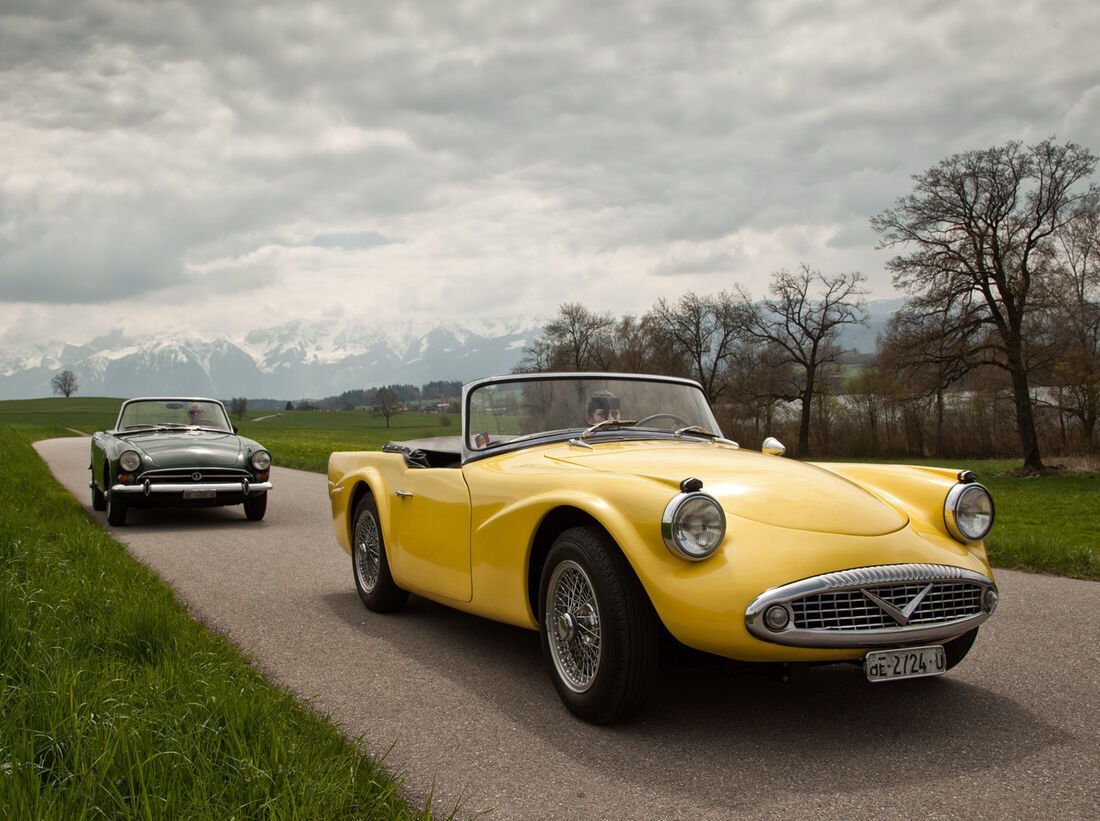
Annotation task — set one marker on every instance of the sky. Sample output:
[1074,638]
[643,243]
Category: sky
[212,166]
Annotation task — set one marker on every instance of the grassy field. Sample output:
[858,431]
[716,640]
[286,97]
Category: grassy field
[1045,524]
[115,703]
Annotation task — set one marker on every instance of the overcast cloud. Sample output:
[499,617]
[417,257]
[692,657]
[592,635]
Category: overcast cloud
[202,164]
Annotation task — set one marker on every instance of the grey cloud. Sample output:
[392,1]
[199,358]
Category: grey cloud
[152,138]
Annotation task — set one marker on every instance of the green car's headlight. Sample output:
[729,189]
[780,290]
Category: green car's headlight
[129,461]
[261,460]
[968,512]
[693,525]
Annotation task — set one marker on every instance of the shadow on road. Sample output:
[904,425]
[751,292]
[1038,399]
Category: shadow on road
[832,727]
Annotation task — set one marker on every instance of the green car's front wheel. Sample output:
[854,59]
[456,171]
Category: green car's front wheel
[99,501]
[255,507]
[599,632]
[116,509]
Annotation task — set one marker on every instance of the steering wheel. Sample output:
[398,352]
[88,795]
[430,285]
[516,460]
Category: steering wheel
[677,421]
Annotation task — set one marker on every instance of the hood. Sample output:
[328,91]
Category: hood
[771,490]
[191,448]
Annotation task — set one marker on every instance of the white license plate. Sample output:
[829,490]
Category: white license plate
[200,494]
[907,662]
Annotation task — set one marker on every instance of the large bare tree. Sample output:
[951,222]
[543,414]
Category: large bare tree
[979,232]
[800,324]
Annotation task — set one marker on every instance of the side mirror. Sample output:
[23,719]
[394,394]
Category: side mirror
[773,447]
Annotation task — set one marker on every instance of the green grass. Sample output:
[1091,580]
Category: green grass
[115,703]
[1047,524]
[87,414]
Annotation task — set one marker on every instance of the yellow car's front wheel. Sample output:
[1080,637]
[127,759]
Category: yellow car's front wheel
[599,632]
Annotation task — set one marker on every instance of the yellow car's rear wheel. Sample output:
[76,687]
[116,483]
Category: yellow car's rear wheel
[599,632]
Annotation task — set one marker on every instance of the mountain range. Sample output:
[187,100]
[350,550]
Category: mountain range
[293,361]
[298,360]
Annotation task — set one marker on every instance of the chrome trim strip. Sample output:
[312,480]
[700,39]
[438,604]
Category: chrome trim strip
[149,488]
[856,580]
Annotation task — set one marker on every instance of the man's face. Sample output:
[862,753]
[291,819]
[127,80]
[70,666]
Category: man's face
[602,415]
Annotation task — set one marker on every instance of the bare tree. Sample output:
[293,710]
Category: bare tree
[928,350]
[386,402]
[704,332]
[1075,318]
[64,384]
[577,340]
[801,325]
[982,228]
[237,406]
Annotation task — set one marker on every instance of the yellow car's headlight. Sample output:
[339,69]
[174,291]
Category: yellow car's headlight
[968,512]
[693,525]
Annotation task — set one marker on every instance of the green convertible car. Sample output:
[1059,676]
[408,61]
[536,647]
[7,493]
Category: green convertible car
[173,452]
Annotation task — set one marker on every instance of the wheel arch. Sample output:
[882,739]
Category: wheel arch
[553,524]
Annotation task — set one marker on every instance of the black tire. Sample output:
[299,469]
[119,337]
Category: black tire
[99,501]
[600,634]
[116,509]
[255,507]
[956,649]
[370,566]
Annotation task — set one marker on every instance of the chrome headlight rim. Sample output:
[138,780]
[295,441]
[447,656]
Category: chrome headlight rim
[260,461]
[674,526]
[129,460]
[957,521]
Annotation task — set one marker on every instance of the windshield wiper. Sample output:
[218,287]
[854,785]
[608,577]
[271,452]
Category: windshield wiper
[609,424]
[699,430]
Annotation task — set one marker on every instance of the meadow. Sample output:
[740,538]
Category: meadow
[1044,524]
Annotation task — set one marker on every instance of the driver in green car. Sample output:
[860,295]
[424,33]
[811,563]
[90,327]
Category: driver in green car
[196,414]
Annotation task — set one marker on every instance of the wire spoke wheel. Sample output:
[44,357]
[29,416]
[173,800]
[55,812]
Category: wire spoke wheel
[598,630]
[368,552]
[572,624]
[370,566]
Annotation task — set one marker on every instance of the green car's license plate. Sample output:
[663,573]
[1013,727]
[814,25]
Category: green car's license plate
[199,494]
[907,662]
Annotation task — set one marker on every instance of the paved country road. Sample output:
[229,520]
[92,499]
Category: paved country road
[464,709]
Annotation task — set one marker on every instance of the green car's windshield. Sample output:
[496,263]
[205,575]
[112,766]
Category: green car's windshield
[537,404]
[160,413]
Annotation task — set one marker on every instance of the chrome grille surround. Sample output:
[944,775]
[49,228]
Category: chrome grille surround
[880,606]
[187,474]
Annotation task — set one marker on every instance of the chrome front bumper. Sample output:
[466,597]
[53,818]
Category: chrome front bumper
[149,488]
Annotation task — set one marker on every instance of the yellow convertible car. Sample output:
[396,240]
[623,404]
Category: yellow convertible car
[609,513]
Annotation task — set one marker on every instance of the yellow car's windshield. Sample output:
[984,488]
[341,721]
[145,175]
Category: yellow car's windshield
[531,405]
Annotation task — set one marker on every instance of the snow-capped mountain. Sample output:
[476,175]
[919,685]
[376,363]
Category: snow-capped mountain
[300,359]
[295,360]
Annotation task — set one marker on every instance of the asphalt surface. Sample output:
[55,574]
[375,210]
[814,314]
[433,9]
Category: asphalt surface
[464,709]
